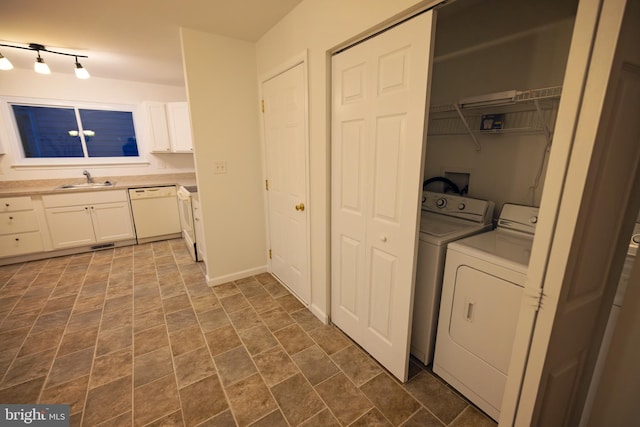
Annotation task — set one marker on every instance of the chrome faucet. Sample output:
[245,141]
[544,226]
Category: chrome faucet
[88,175]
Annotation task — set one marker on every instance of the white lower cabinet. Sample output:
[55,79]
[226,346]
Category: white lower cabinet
[19,228]
[82,219]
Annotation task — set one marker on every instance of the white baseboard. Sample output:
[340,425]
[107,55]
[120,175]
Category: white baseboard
[319,313]
[213,281]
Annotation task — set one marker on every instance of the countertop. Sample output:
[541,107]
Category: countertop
[48,186]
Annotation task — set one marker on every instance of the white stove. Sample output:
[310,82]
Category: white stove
[185,204]
[445,218]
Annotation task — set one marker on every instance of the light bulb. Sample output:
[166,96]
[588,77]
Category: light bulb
[41,67]
[81,72]
[5,64]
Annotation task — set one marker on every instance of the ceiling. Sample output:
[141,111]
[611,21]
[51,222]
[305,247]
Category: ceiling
[137,40]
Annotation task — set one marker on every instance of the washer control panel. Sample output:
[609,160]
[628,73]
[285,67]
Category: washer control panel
[458,206]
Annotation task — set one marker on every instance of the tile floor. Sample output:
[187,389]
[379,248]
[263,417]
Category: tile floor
[134,336]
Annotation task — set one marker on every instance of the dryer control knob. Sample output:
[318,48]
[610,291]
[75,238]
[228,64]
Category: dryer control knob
[533,219]
[441,203]
[461,206]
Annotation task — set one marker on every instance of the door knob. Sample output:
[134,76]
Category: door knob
[300,207]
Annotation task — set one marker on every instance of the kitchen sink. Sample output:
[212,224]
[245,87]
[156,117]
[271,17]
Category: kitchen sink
[86,185]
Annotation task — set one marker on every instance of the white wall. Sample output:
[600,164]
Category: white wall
[319,26]
[223,97]
[28,84]
[507,165]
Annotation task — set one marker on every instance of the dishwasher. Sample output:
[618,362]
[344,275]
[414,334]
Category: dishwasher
[155,213]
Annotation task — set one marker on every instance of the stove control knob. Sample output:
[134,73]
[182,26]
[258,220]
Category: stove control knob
[461,206]
[441,203]
[533,219]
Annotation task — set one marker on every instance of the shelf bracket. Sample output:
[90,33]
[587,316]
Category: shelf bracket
[543,124]
[466,125]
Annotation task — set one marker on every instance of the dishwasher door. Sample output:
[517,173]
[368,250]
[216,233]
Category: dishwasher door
[155,213]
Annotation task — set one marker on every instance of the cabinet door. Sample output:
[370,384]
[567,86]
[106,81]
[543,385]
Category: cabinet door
[70,226]
[158,130]
[179,127]
[112,221]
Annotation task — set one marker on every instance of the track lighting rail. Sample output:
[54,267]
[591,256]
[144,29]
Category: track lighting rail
[40,66]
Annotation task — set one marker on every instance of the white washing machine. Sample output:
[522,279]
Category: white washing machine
[445,218]
[481,292]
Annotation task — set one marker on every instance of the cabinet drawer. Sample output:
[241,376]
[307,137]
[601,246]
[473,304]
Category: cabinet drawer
[84,198]
[12,204]
[22,243]
[18,222]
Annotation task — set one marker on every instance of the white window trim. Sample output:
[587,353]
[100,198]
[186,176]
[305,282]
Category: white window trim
[20,162]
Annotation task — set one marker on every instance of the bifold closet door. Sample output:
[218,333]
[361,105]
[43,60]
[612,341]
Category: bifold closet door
[380,93]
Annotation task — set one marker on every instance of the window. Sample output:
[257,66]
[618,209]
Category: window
[74,132]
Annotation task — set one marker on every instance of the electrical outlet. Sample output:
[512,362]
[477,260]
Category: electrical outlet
[220,166]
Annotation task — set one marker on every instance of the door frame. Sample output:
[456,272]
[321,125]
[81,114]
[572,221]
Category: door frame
[300,59]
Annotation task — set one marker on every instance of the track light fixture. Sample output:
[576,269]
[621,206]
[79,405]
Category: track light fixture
[40,66]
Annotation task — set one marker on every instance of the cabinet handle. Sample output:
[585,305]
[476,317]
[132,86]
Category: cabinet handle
[17,239]
[10,217]
[86,208]
[6,204]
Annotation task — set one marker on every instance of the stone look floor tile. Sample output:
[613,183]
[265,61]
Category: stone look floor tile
[185,340]
[196,355]
[393,401]
[258,339]
[436,396]
[150,339]
[24,392]
[471,417]
[202,400]
[72,393]
[315,364]
[111,366]
[298,400]
[222,339]
[246,318]
[293,338]
[151,366]
[71,366]
[114,339]
[329,339]
[423,418]
[356,365]
[107,401]
[234,365]
[250,399]
[193,366]
[275,365]
[344,399]
[155,400]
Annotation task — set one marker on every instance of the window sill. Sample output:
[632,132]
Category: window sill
[81,163]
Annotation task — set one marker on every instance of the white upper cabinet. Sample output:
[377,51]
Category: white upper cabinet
[169,127]
[179,127]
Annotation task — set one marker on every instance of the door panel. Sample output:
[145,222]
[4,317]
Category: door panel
[592,221]
[285,140]
[380,93]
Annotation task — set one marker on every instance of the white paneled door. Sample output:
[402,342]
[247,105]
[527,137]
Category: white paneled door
[380,92]
[284,119]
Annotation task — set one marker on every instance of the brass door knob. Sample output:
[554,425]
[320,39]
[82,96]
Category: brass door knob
[300,207]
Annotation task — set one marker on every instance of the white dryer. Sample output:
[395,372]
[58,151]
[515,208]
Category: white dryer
[481,292]
[445,218]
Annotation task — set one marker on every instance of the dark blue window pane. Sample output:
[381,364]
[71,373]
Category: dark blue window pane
[109,133]
[44,131]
